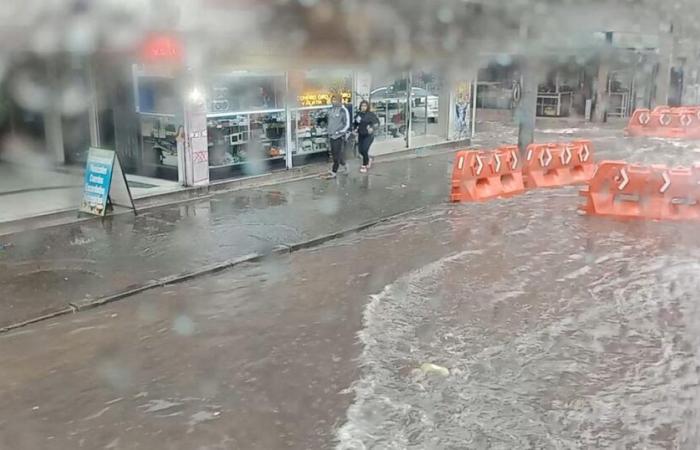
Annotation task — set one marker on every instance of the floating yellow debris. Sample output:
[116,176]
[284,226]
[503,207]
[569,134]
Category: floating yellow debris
[429,368]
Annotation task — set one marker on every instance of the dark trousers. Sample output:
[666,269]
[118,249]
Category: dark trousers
[337,147]
[363,144]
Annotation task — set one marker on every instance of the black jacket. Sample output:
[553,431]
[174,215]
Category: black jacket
[364,120]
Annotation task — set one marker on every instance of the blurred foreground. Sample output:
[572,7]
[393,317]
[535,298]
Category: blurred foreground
[556,330]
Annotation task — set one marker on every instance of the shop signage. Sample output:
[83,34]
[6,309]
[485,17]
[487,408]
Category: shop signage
[104,184]
[322,99]
[159,48]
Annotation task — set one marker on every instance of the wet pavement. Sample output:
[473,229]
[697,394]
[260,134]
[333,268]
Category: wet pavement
[555,331]
[45,271]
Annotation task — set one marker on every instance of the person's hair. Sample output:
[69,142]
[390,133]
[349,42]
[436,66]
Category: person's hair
[336,97]
[363,102]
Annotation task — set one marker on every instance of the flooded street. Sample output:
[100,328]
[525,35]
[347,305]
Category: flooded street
[229,225]
[558,332]
[513,323]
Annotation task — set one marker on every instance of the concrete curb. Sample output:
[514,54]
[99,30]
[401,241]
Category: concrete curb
[60,312]
[86,304]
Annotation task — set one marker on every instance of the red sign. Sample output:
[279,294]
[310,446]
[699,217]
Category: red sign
[162,49]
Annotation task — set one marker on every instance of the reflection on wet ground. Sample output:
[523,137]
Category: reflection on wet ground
[93,259]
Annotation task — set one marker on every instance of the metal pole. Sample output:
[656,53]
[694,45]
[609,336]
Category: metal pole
[426,110]
[288,124]
[473,121]
[409,110]
[93,109]
[526,110]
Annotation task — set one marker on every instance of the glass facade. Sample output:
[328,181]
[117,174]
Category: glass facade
[246,123]
[425,103]
[157,105]
[258,121]
[311,93]
[389,101]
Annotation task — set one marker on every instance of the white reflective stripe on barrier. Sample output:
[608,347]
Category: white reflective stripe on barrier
[565,156]
[667,182]
[625,179]
[479,164]
[584,153]
[543,162]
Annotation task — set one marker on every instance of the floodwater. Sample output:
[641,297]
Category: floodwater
[540,329]
[559,331]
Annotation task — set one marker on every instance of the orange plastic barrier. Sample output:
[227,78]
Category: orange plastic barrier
[651,192]
[560,164]
[662,121]
[482,175]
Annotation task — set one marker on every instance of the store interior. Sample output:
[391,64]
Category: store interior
[567,83]
[246,123]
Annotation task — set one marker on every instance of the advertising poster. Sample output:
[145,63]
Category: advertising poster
[104,183]
[98,179]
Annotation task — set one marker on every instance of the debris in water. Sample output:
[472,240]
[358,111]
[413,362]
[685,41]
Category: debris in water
[428,368]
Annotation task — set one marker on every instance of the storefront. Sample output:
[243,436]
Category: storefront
[258,121]
[420,108]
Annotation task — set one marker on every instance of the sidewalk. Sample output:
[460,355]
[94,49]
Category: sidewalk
[68,267]
[28,192]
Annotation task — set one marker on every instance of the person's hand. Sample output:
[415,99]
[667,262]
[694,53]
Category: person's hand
[370,130]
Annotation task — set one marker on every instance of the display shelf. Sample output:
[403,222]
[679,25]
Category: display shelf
[313,152]
[554,104]
[240,163]
[241,133]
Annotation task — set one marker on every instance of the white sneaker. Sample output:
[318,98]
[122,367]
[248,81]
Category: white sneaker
[363,169]
[330,175]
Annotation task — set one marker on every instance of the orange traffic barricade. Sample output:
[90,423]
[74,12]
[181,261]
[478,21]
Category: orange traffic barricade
[483,175]
[682,122]
[559,164]
[619,189]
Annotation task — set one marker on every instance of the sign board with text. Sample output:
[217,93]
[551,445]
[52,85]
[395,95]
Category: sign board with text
[104,183]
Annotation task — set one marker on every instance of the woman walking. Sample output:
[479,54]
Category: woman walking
[365,123]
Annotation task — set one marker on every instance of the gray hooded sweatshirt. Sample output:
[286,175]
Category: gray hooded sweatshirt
[338,121]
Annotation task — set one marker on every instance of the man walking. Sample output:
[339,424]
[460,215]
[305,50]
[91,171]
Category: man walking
[338,126]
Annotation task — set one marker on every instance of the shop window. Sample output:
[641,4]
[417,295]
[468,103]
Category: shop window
[246,124]
[246,144]
[156,95]
[310,116]
[157,102]
[425,104]
[246,93]
[389,102]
